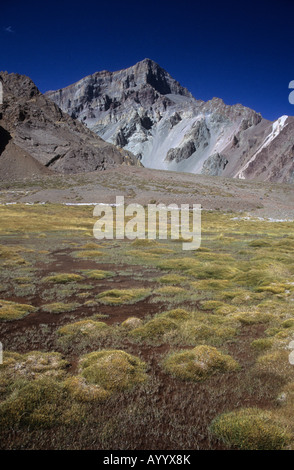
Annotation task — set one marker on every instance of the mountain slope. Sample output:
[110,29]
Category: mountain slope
[47,137]
[144,110]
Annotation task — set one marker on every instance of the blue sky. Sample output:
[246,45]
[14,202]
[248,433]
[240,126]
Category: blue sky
[242,52]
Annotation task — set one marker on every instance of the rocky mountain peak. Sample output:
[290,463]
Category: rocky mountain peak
[142,109]
[149,72]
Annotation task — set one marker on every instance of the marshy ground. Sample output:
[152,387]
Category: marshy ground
[139,344]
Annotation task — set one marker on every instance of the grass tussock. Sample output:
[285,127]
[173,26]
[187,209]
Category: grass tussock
[154,330]
[199,363]
[131,323]
[144,242]
[170,291]
[84,392]
[113,370]
[60,307]
[30,366]
[98,274]
[10,311]
[250,318]
[64,278]
[178,314]
[42,403]
[250,429]
[88,254]
[275,362]
[83,329]
[262,344]
[173,279]
[122,296]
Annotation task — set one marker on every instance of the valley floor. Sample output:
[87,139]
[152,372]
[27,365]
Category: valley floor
[139,344]
[143,186]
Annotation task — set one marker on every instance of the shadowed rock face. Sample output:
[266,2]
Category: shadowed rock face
[5,137]
[43,133]
[144,110]
[214,165]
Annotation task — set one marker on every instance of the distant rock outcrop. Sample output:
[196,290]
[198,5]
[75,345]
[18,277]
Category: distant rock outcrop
[37,136]
[214,165]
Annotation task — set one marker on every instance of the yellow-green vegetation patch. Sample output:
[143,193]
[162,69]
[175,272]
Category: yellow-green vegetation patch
[218,307]
[199,363]
[211,284]
[250,429]
[51,218]
[275,305]
[113,370]
[272,331]
[200,270]
[262,344]
[255,277]
[222,271]
[60,307]
[231,294]
[145,242]
[247,297]
[7,251]
[43,403]
[289,323]
[30,366]
[160,251]
[211,256]
[170,291]
[275,362]
[22,280]
[259,243]
[88,254]
[9,255]
[122,296]
[225,309]
[132,323]
[182,327]
[211,304]
[13,311]
[286,402]
[207,332]
[249,318]
[63,278]
[173,279]
[157,328]
[98,274]
[176,314]
[273,288]
[144,255]
[283,335]
[91,303]
[83,295]
[82,391]
[91,246]
[286,244]
[84,328]
[179,264]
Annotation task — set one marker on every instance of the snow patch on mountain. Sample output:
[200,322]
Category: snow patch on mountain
[277,127]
